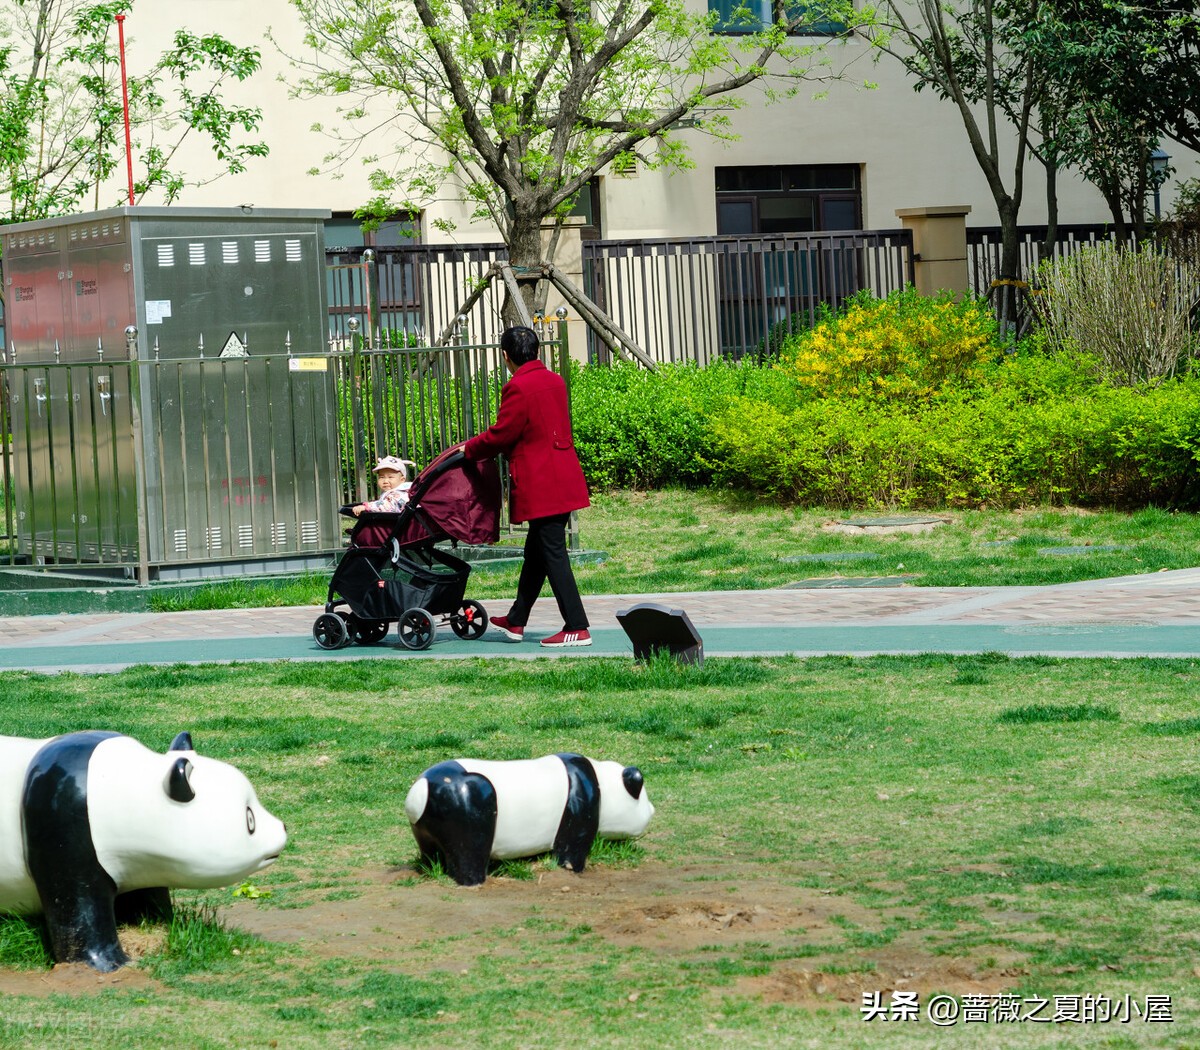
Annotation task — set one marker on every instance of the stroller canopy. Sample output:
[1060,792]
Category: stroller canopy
[454,498]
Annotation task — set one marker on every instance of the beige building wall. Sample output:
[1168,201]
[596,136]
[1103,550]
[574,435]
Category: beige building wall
[911,146]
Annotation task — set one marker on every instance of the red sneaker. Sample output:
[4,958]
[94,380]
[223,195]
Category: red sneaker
[566,638]
[510,631]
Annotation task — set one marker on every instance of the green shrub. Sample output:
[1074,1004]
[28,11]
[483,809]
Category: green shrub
[643,429]
[969,427]
[1119,446]
[905,346]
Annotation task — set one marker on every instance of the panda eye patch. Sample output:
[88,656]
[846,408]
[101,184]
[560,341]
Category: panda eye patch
[250,820]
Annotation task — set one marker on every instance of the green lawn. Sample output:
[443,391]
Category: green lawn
[826,828]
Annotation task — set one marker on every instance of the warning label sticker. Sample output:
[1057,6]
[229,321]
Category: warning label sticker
[234,347]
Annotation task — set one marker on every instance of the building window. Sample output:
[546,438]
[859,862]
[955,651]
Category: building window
[796,198]
[587,208]
[751,16]
[772,279]
[393,303]
[343,230]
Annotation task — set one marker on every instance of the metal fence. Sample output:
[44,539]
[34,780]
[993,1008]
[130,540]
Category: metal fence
[1015,310]
[699,298]
[97,503]
[411,294]
[691,299]
[983,249]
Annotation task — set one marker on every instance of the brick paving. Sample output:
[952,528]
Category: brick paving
[1134,614]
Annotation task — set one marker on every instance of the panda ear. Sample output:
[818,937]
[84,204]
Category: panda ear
[631,776]
[183,742]
[178,785]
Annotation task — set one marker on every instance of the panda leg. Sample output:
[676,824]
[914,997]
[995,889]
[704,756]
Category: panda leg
[581,816]
[460,823]
[465,862]
[468,869]
[573,855]
[83,928]
[152,905]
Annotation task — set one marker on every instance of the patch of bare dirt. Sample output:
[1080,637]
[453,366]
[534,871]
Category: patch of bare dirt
[71,979]
[80,979]
[407,924]
[911,973]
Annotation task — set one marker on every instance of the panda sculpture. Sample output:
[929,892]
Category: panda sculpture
[95,829]
[468,811]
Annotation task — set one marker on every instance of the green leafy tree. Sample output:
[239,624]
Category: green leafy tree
[963,52]
[1140,57]
[61,122]
[514,105]
[1121,77]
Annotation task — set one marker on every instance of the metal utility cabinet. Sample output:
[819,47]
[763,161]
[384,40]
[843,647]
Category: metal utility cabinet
[171,397]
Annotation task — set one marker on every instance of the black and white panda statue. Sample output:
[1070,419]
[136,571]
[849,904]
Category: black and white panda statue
[95,829]
[468,811]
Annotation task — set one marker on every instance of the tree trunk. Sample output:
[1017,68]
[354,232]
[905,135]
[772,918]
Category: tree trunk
[525,256]
[1006,301]
[1116,208]
[1046,248]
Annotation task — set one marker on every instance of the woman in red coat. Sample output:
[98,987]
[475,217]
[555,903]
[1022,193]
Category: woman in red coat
[546,483]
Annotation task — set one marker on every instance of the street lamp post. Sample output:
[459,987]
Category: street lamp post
[1159,159]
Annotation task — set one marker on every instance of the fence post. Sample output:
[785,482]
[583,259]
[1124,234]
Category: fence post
[357,421]
[370,296]
[139,454]
[9,491]
[463,364]
[939,247]
[564,350]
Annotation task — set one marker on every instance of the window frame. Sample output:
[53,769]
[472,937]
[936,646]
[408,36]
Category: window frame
[726,26]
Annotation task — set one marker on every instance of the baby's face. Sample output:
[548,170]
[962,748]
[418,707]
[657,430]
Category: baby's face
[389,479]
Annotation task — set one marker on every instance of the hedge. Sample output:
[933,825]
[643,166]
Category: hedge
[1033,429]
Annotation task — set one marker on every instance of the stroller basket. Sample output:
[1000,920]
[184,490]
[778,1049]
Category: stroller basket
[378,582]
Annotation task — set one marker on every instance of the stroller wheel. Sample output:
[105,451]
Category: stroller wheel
[368,632]
[470,621]
[416,629]
[330,632]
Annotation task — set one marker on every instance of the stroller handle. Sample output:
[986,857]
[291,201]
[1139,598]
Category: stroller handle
[454,456]
[346,510]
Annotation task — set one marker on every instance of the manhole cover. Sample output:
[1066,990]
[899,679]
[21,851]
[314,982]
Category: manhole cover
[847,581]
[1090,549]
[877,523]
[1076,627]
[832,556]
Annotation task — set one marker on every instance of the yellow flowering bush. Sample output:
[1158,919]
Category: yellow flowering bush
[906,347]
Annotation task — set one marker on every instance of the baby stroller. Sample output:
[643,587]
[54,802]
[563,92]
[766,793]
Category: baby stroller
[392,570]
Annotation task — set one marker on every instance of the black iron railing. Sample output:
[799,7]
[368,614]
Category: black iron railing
[695,299]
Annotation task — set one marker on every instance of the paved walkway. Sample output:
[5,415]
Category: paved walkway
[1151,615]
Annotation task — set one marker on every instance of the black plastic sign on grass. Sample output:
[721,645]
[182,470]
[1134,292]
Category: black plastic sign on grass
[655,628]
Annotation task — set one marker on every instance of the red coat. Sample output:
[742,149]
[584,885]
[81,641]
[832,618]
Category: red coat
[533,429]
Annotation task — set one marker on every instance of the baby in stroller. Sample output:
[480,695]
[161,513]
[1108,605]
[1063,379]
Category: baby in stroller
[394,486]
[392,474]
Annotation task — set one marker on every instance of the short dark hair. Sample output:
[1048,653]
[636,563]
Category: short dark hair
[520,344]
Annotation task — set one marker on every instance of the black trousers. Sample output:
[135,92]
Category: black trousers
[546,559]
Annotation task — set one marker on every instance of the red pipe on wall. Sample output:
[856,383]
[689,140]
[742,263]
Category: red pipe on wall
[125,106]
